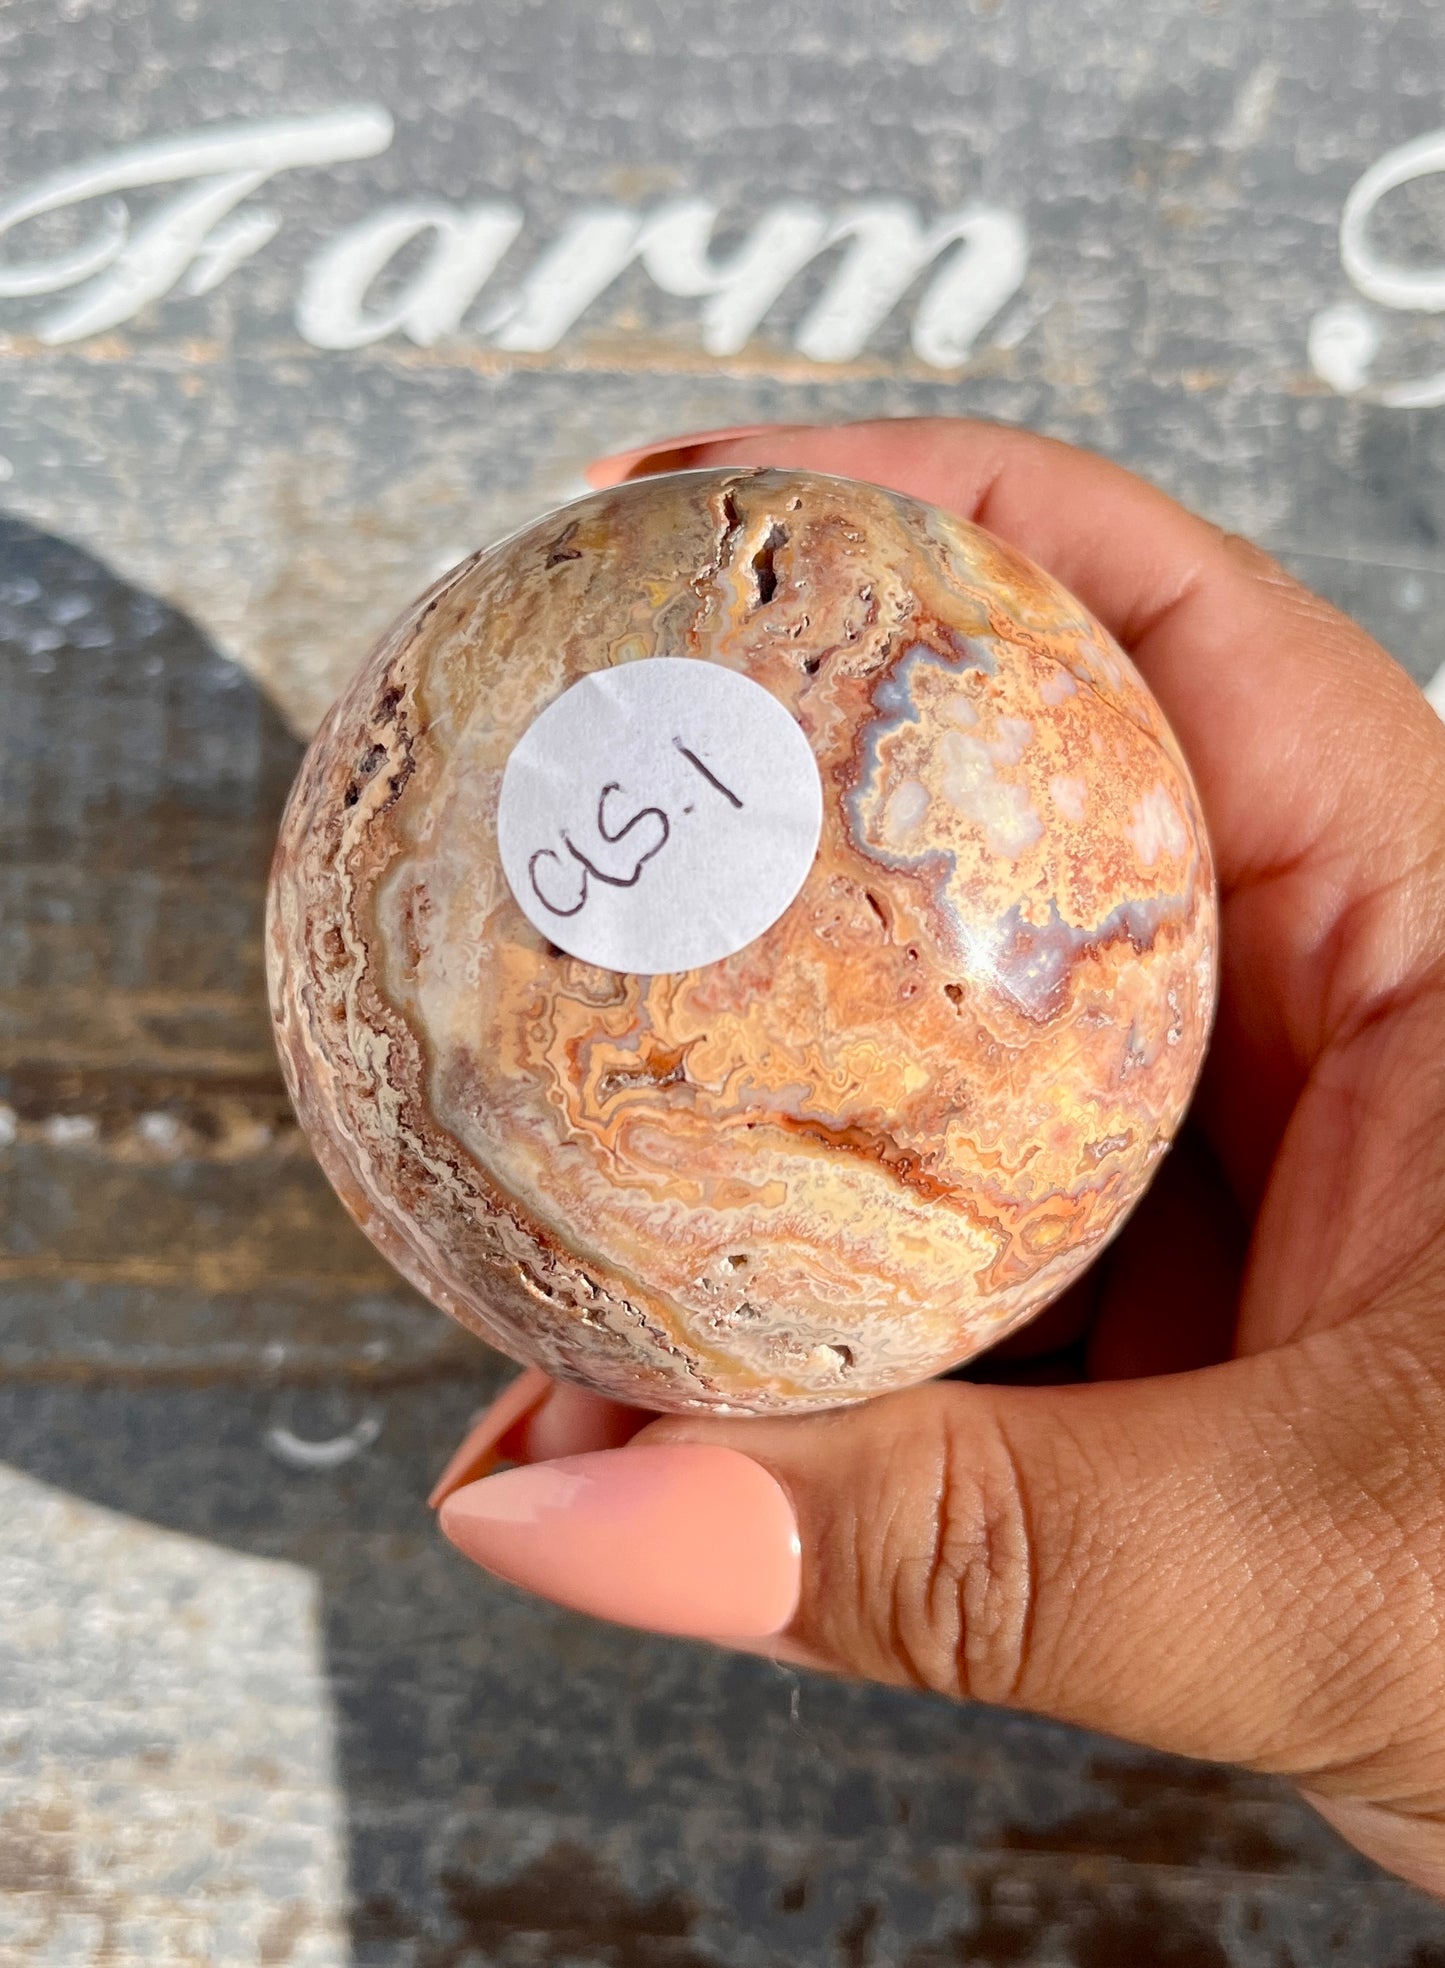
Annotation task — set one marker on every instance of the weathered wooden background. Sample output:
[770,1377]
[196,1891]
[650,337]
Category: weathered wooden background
[251,1711]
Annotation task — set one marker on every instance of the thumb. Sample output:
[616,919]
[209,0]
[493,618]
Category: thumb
[1213,1563]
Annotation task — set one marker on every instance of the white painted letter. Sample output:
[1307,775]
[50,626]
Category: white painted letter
[889,249]
[125,268]
[971,286]
[584,260]
[467,245]
[674,249]
[1381,280]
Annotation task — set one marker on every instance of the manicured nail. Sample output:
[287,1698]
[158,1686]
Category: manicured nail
[481,1448]
[680,1537]
[663,454]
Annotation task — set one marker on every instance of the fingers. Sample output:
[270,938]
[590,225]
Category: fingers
[533,1419]
[1242,1564]
[575,1421]
[1230,1564]
[485,1443]
[1410,1845]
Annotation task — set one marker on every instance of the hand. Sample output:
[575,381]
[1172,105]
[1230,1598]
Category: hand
[1228,1539]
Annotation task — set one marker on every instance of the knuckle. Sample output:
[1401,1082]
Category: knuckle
[948,1586]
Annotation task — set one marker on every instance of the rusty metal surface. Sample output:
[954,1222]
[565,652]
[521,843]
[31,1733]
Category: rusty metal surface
[250,1710]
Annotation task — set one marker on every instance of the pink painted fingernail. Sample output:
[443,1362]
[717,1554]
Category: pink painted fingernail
[481,1447]
[657,455]
[680,1537]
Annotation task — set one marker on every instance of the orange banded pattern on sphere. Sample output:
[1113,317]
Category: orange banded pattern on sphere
[867,1144]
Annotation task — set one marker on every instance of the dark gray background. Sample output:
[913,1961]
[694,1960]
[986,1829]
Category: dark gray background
[250,1710]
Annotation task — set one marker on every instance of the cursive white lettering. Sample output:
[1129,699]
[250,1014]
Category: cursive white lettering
[1379,279]
[195,238]
[581,263]
[888,249]
[1344,340]
[467,244]
[674,248]
[126,267]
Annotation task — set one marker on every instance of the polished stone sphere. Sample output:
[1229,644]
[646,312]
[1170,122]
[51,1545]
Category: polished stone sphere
[903,1115]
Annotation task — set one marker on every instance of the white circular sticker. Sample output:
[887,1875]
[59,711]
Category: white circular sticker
[659,815]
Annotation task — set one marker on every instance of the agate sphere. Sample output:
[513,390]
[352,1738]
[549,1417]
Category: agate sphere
[916,984]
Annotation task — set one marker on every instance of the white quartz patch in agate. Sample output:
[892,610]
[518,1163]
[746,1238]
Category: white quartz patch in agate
[907,1110]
